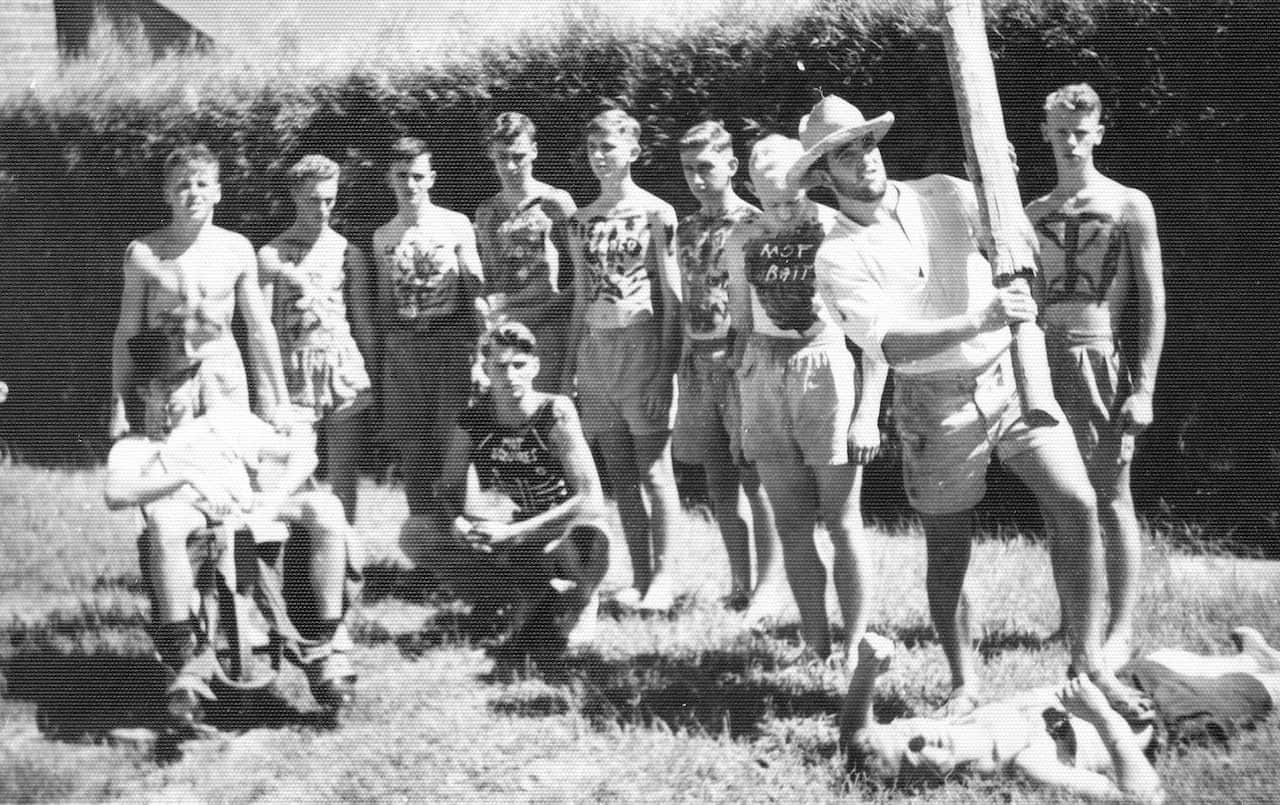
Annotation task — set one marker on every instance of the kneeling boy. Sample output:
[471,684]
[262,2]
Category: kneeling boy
[188,470]
[550,555]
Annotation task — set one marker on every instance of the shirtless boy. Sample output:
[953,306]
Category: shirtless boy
[799,387]
[192,271]
[189,466]
[624,345]
[1099,251]
[708,417]
[521,235]
[428,280]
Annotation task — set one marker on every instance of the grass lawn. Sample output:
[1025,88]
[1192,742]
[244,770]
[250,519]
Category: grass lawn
[691,709]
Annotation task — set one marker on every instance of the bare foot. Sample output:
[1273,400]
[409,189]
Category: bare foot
[768,606]
[1131,704]
[660,597]
[960,702]
[1249,641]
[876,652]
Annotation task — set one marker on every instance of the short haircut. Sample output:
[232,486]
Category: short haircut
[614,121]
[707,134]
[185,157]
[508,126]
[407,149]
[1074,98]
[509,335]
[312,168]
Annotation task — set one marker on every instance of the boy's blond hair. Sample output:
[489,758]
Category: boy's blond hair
[1074,98]
[312,168]
[615,121]
[707,134]
[508,126]
[187,157]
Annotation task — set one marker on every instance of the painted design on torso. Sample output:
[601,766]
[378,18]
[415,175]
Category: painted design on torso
[521,248]
[423,275]
[1091,245]
[518,462]
[780,270]
[706,280]
[615,253]
[309,303]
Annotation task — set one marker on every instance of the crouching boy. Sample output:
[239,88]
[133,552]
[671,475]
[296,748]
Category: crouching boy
[546,551]
[189,469]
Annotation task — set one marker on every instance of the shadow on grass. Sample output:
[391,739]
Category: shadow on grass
[713,693]
[991,645]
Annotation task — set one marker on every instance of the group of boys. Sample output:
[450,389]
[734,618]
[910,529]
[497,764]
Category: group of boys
[746,311]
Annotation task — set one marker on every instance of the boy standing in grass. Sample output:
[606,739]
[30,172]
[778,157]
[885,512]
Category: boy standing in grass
[1099,251]
[192,276]
[708,417]
[521,236]
[428,283]
[799,387]
[624,345]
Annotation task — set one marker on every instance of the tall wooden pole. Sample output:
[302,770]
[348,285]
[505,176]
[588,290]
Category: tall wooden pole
[1004,231]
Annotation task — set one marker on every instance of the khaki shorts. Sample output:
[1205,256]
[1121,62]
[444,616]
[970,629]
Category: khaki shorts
[797,401]
[709,416]
[1091,382]
[426,380]
[616,368]
[949,424]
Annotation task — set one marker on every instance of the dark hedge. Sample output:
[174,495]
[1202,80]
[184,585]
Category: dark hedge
[1192,107]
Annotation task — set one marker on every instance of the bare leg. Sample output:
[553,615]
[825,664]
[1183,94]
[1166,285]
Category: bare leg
[839,496]
[1057,478]
[342,438]
[322,517]
[771,593]
[620,465]
[948,539]
[169,523]
[653,463]
[793,491]
[1122,543]
[726,496]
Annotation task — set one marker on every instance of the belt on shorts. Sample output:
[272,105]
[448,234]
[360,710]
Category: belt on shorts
[705,346]
[1066,338]
[965,380]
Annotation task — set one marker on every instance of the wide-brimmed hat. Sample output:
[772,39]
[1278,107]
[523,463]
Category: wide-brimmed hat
[833,123]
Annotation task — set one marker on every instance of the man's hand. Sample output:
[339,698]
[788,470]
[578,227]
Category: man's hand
[1010,305]
[1136,413]
[215,499]
[864,441]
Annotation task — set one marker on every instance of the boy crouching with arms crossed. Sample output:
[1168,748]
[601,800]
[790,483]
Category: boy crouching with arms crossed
[549,555]
[189,470]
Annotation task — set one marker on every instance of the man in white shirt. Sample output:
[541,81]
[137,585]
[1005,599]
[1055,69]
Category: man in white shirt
[902,272]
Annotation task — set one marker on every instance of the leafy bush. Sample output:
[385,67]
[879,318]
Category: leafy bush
[1189,90]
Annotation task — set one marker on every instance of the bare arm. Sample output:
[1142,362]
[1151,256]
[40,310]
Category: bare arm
[586,496]
[1135,776]
[739,295]
[560,209]
[360,305]
[132,300]
[577,315]
[264,349]
[127,484]
[1148,273]
[864,431]
[664,243]
[908,340]
[875,653]
[472,273]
